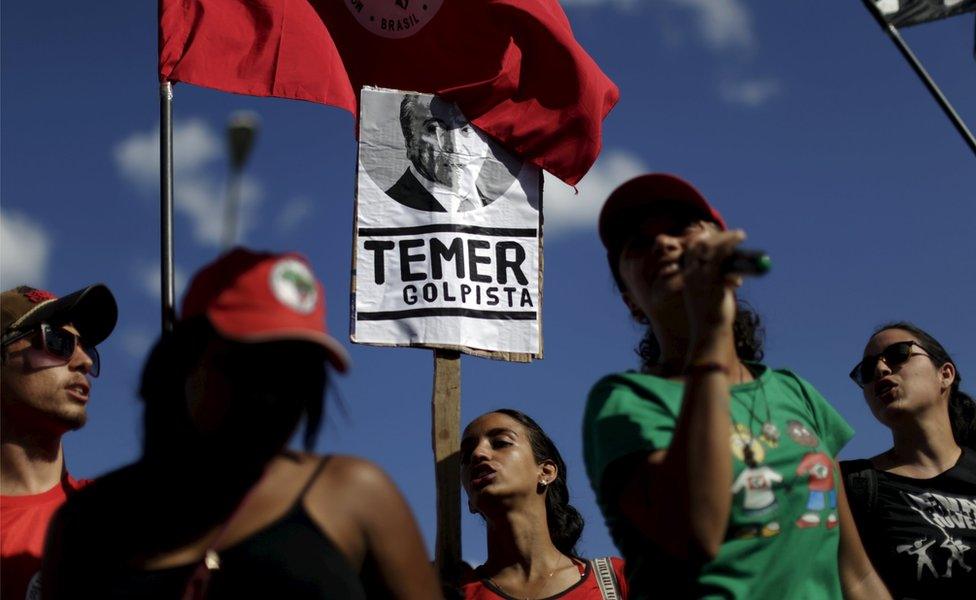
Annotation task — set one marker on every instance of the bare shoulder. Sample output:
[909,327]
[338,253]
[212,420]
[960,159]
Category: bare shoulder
[359,491]
[336,475]
[356,473]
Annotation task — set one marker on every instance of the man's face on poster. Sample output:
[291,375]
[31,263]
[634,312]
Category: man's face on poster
[441,143]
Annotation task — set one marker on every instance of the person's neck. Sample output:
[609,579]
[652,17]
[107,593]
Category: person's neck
[922,447]
[29,463]
[676,347]
[519,541]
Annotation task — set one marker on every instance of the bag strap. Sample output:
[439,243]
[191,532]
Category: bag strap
[861,481]
[606,578]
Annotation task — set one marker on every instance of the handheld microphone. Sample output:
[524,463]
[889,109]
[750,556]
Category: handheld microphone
[744,262]
[747,262]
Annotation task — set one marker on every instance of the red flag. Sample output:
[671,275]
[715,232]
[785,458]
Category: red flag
[513,66]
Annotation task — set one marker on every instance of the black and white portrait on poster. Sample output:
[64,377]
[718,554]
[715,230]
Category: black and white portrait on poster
[448,232]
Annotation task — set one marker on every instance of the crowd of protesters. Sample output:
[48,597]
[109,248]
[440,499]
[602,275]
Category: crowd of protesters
[717,476]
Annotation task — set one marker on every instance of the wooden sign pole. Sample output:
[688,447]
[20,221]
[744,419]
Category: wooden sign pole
[446,441]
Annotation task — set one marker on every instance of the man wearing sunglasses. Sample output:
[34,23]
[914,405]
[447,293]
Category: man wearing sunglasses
[48,360]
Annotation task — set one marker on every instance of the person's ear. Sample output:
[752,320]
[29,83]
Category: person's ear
[947,375]
[547,473]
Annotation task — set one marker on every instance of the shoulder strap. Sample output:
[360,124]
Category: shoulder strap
[312,478]
[606,578]
[861,483]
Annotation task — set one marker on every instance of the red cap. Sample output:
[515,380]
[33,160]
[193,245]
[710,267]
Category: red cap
[253,296]
[644,192]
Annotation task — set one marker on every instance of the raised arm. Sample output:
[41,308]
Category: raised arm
[679,497]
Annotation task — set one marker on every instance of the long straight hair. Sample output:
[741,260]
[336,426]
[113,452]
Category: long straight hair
[283,381]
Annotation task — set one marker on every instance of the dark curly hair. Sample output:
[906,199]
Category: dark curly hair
[565,522]
[962,407]
[747,330]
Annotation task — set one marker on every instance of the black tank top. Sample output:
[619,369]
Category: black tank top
[288,558]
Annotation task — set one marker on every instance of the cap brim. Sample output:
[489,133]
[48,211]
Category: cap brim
[92,310]
[644,194]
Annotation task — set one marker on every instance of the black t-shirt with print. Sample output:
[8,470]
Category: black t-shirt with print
[919,533]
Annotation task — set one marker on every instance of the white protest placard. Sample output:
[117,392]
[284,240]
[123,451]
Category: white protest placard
[447,245]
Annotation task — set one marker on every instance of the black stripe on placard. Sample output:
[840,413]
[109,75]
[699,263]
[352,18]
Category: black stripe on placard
[389,315]
[447,227]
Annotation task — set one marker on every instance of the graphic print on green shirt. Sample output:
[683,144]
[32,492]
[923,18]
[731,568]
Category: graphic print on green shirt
[782,536]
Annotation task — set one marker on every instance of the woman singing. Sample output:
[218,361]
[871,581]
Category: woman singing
[516,480]
[716,474]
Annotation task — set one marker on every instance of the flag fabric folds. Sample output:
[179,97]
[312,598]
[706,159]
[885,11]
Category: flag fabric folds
[512,66]
[902,13]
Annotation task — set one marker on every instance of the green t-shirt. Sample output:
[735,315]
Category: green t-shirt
[783,530]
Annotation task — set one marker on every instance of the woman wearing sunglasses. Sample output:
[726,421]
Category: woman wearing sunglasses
[219,506]
[915,503]
[515,479]
[715,473]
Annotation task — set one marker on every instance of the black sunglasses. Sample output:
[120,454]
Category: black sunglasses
[59,345]
[894,355]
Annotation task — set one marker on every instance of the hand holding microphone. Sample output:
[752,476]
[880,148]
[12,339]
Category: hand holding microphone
[713,266]
[747,262]
[742,261]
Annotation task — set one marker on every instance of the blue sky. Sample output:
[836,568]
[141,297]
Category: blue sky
[801,122]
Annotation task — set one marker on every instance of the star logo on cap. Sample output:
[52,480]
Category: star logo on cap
[294,285]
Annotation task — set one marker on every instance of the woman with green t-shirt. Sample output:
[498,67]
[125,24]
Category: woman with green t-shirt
[716,474]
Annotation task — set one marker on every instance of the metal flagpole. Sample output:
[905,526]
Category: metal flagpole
[166,204]
[922,74]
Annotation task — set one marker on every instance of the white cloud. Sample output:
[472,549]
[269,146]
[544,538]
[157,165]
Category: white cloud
[148,278]
[565,211]
[24,250]
[293,214]
[136,342]
[195,146]
[751,92]
[199,172]
[722,24]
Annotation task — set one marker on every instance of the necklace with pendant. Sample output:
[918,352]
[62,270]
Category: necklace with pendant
[504,591]
[768,432]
